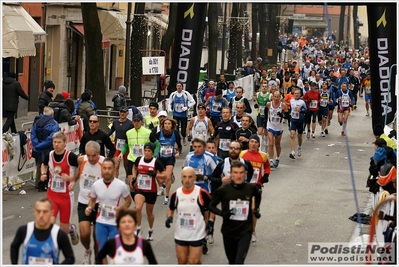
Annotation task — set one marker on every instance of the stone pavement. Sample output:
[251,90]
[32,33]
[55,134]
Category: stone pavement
[147,85]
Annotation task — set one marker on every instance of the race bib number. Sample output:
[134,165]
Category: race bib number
[368,90]
[240,208]
[144,182]
[138,150]
[255,176]
[40,261]
[224,144]
[166,151]
[324,102]
[201,134]
[275,119]
[216,107]
[187,221]
[58,185]
[295,114]
[313,104]
[179,107]
[262,111]
[119,144]
[345,101]
[108,212]
[88,180]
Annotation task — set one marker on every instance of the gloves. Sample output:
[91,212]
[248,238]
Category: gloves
[201,177]
[134,179]
[256,106]
[184,108]
[280,114]
[168,221]
[265,178]
[256,213]
[189,138]
[227,213]
[151,173]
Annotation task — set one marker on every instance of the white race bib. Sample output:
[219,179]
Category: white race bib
[201,134]
[58,185]
[295,114]
[262,110]
[216,107]
[275,119]
[138,150]
[313,104]
[166,151]
[144,182]
[119,144]
[108,212]
[368,90]
[40,261]
[323,102]
[88,180]
[255,176]
[187,221]
[224,144]
[240,209]
[179,107]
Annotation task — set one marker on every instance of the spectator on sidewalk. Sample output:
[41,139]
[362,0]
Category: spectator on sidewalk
[43,129]
[12,90]
[46,97]
[63,112]
[58,99]
[119,98]
[85,110]
[93,105]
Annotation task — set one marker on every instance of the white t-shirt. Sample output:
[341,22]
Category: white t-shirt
[88,176]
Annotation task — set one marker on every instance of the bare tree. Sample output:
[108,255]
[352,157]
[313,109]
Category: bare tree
[94,54]
[273,26]
[341,24]
[167,38]
[255,23]
[136,45]
[213,39]
[235,39]
[262,29]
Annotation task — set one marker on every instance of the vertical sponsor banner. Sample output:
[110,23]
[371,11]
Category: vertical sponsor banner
[187,46]
[382,28]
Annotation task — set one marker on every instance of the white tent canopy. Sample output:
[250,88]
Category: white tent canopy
[20,32]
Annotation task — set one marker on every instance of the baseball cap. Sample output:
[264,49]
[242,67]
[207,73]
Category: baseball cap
[154,104]
[162,113]
[137,117]
[124,108]
[380,142]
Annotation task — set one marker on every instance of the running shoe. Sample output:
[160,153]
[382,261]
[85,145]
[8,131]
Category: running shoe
[150,235]
[205,248]
[308,135]
[368,114]
[210,239]
[326,131]
[184,141]
[271,163]
[299,151]
[313,136]
[138,232]
[343,133]
[322,134]
[254,238]
[74,235]
[166,201]
[87,257]
[160,191]
[276,163]
[354,106]
[173,178]
[292,156]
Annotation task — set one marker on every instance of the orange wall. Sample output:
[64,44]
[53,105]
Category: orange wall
[318,10]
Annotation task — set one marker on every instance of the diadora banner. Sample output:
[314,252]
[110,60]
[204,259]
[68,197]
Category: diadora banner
[382,35]
[187,47]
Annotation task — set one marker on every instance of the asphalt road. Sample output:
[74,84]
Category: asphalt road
[306,200]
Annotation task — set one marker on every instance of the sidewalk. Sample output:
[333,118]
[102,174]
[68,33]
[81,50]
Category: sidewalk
[147,85]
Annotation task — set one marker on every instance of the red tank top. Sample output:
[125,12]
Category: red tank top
[56,184]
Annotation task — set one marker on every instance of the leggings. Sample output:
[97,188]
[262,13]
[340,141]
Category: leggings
[182,121]
[236,247]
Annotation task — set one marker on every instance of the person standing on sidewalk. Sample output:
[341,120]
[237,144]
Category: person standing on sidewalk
[43,129]
[12,90]
[179,103]
[119,98]
[46,97]
[41,233]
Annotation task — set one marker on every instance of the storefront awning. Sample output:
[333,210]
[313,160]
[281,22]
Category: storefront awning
[158,21]
[78,27]
[113,24]
[20,32]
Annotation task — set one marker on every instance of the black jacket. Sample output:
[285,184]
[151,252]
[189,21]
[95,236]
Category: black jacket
[44,99]
[119,101]
[12,90]
[62,114]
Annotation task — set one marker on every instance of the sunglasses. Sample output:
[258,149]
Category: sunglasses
[92,121]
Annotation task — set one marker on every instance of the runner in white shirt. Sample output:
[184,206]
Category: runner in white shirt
[108,193]
[89,172]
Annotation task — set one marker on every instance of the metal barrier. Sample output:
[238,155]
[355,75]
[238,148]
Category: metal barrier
[106,117]
[23,126]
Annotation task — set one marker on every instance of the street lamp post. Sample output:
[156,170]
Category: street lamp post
[223,38]
[127,46]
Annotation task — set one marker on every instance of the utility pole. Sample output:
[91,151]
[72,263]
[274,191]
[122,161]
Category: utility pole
[127,47]
[223,38]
